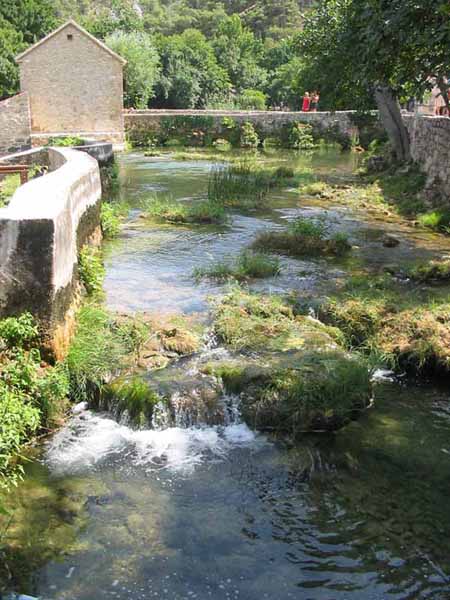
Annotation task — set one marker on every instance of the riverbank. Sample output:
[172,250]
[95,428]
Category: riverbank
[291,349]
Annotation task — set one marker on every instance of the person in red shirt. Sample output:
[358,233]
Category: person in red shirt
[306,102]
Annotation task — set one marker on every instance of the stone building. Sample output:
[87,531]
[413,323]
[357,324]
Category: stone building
[75,86]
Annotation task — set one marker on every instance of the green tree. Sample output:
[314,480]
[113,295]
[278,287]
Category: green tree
[142,69]
[22,22]
[240,54]
[190,76]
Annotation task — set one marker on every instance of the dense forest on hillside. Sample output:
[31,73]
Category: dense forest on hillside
[181,53]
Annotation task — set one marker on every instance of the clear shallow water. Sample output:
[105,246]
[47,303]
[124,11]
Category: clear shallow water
[221,512]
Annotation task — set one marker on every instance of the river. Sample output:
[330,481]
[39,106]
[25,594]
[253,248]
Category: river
[224,512]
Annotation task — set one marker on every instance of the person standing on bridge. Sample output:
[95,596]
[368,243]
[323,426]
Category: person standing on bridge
[306,102]
[315,101]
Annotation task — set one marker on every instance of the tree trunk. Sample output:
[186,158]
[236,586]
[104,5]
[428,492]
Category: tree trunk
[391,118]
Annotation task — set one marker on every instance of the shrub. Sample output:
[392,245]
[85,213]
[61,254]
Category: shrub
[65,141]
[91,270]
[8,187]
[18,331]
[249,138]
[301,137]
[253,100]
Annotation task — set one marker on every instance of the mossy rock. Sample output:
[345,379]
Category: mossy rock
[247,321]
[298,392]
[132,396]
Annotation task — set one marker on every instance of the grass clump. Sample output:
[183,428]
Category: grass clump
[240,185]
[65,141]
[102,345]
[249,265]
[176,212]
[303,237]
[317,188]
[91,270]
[247,321]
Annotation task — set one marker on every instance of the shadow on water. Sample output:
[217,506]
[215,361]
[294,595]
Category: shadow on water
[218,511]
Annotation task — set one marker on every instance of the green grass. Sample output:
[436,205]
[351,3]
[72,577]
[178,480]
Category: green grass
[248,265]
[172,211]
[111,216]
[240,185]
[438,220]
[8,187]
[102,346]
[303,237]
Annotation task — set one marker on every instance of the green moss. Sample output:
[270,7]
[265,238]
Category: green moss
[249,265]
[132,396]
[433,271]
[303,237]
[247,321]
[323,392]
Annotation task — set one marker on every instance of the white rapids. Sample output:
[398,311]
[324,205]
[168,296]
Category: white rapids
[89,439]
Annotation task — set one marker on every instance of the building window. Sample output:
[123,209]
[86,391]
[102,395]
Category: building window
[70,36]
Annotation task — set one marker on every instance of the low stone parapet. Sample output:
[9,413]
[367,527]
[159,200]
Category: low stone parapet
[41,231]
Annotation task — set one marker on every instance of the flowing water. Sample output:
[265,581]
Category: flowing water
[185,510]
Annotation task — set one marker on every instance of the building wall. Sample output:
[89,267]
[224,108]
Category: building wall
[74,86]
[430,149]
[15,124]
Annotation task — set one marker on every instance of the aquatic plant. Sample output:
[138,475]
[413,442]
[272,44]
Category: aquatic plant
[248,265]
[303,237]
[240,185]
[177,212]
[317,188]
[91,270]
[301,137]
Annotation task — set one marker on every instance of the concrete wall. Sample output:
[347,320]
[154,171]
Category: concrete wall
[268,121]
[15,124]
[41,231]
[430,148]
[75,86]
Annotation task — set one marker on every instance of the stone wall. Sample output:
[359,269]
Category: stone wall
[75,86]
[143,122]
[430,148]
[15,124]
[41,231]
